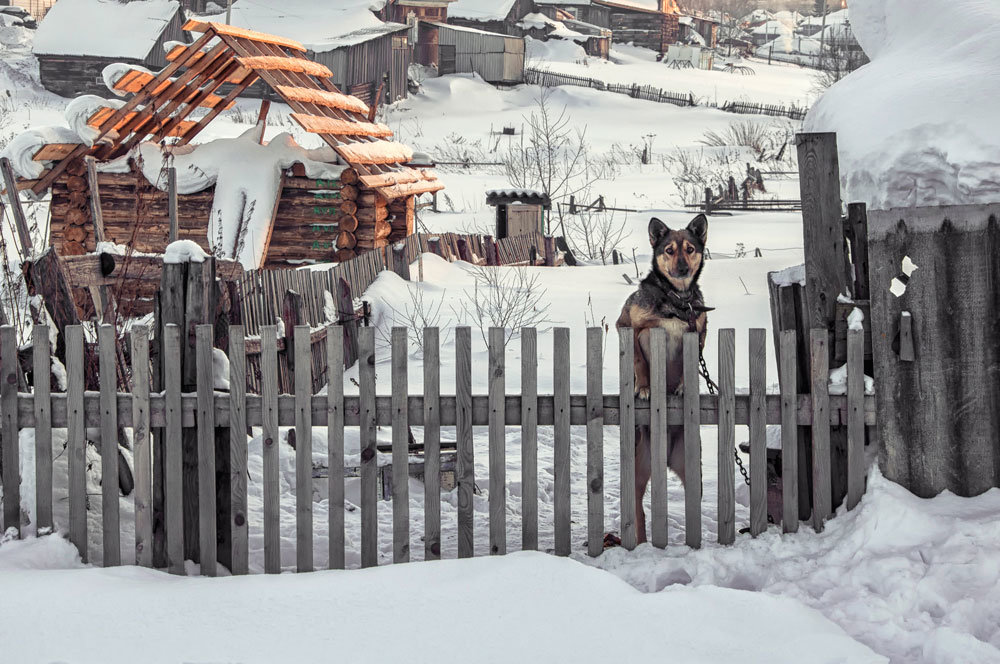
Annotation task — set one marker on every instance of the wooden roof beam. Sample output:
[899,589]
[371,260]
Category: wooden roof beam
[317,124]
[325,98]
[279,63]
[411,189]
[379,152]
[242,33]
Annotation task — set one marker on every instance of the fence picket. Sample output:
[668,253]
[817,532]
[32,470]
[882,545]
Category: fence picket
[855,417]
[595,441]
[727,435]
[529,438]
[821,479]
[9,442]
[173,463]
[789,434]
[400,449]
[335,443]
[658,435]
[76,441]
[692,442]
[238,449]
[369,454]
[141,450]
[269,431]
[432,444]
[42,366]
[626,396]
[303,450]
[207,536]
[110,532]
[497,442]
[561,440]
[758,431]
[463,440]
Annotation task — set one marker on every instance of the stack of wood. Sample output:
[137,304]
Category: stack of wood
[71,213]
[401,218]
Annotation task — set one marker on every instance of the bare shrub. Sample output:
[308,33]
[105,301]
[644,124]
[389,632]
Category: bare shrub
[510,298]
[421,312]
[594,234]
[765,138]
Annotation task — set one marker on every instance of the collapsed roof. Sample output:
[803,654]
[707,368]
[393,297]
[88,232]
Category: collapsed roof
[236,57]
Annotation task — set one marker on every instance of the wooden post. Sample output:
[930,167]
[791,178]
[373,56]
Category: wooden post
[8,431]
[46,276]
[823,230]
[400,265]
[20,221]
[172,204]
[346,319]
[857,225]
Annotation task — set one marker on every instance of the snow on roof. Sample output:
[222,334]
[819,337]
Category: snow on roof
[103,28]
[319,26]
[567,3]
[464,28]
[481,10]
[773,28]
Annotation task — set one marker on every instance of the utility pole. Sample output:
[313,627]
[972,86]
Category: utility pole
[822,33]
[229,12]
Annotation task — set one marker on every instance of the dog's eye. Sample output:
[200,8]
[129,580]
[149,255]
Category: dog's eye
[669,251]
[690,250]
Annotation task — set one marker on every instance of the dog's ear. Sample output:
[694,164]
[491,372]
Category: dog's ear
[699,228]
[657,229]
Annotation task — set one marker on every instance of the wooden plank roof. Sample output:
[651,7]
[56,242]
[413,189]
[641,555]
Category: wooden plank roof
[224,54]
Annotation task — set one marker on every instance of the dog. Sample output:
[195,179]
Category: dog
[668,297]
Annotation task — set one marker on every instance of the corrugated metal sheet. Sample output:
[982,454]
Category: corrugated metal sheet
[497,58]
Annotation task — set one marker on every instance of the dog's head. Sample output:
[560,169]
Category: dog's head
[678,255]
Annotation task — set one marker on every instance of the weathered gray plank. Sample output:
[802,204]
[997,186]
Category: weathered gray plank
[561,440]
[658,435]
[465,469]
[207,539]
[369,453]
[11,453]
[692,442]
[42,366]
[529,439]
[497,443]
[727,435]
[400,449]
[111,534]
[821,480]
[789,434]
[335,442]
[823,230]
[595,441]
[76,440]
[303,450]
[758,431]
[626,391]
[173,466]
[238,449]
[142,459]
[432,444]
[855,417]
[269,427]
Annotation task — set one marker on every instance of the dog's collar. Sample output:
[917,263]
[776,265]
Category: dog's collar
[687,301]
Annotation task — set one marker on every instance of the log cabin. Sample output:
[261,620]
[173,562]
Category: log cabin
[653,24]
[273,204]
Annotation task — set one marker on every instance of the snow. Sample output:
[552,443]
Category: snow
[23,147]
[184,251]
[546,604]
[790,276]
[104,28]
[855,319]
[320,27]
[838,381]
[481,10]
[220,369]
[925,132]
[81,109]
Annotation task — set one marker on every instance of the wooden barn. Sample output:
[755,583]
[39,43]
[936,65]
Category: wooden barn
[497,58]
[77,39]
[596,41]
[354,194]
[653,24]
[500,16]
[369,58]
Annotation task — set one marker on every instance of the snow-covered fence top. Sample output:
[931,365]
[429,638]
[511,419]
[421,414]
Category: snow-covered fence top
[219,410]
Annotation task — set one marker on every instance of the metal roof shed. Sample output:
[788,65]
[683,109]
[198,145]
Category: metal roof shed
[497,58]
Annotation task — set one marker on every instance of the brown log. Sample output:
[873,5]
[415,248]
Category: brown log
[349,176]
[348,222]
[368,215]
[346,240]
[376,231]
[74,234]
[72,249]
[373,244]
[349,207]
[77,217]
[76,167]
[369,198]
[349,192]
[76,183]
[344,255]
[78,199]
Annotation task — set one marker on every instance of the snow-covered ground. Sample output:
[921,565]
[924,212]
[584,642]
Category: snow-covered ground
[913,580]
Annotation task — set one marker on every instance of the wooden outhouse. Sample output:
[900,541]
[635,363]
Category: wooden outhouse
[519,211]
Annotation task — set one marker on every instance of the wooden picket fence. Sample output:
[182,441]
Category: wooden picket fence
[206,409]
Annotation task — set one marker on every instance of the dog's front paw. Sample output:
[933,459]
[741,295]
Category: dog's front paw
[642,392]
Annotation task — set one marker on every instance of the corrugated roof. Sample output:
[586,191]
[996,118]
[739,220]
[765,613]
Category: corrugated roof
[104,28]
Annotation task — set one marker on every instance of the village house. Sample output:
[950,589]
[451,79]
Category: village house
[79,38]
[653,24]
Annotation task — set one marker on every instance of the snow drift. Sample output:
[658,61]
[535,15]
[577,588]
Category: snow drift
[917,126]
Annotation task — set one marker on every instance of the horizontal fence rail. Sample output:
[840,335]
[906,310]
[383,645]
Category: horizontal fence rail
[170,414]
